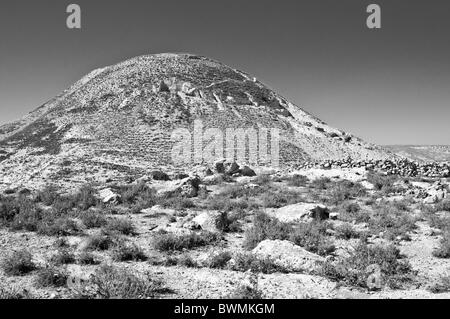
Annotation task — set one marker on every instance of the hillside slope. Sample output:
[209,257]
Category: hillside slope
[119,120]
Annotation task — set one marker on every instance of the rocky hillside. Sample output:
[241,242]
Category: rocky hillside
[118,121]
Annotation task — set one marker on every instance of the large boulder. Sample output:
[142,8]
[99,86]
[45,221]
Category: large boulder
[288,255]
[247,171]
[301,212]
[207,221]
[188,187]
[108,196]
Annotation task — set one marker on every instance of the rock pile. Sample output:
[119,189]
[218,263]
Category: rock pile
[403,167]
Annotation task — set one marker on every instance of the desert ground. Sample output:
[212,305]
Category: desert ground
[230,231]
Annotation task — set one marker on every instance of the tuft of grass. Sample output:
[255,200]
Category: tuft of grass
[443,251]
[122,226]
[128,252]
[442,286]
[249,262]
[92,219]
[265,227]
[63,257]
[51,277]
[87,258]
[346,231]
[313,237]
[383,183]
[357,269]
[102,241]
[13,293]
[392,222]
[172,242]
[118,283]
[297,180]
[62,226]
[343,190]
[350,212]
[219,260]
[18,263]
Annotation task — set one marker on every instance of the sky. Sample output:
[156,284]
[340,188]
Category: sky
[388,86]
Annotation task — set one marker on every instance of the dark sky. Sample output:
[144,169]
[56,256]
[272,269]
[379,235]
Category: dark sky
[388,86]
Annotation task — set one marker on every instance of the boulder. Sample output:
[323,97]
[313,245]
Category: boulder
[288,255]
[159,176]
[108,196]
[300,212]
[188,187]
[207,221]
[247,171]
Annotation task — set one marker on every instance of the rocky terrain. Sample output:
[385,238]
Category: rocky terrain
[229,231]
[92,205]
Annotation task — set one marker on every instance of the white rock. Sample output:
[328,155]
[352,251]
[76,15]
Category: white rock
[107,195]
[295,212]
[287,255]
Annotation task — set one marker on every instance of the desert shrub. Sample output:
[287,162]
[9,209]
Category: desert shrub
[246,292]
[227,222]
[172,242]
[280,198]
[61,242]
[63,257]
[265,227]
[443,206]
[297,180]
[393,223]
[48,195]
[321,183]
[101,241]
[313,237]
[383,183]
[28,218]
[85,197]
[227,205]
[18,263]
[219,260]
[346,231]
[356,269]
[443,251]
[13,293]
[51,277]
[93,219]
[442,286]
[63,205]
[122,226]
[62,226]
[87,258]
[340,191]
[9,208]
[131,194]
[177,203]
[247,261]
[128,252]
[437,221]
[117,283]
[350,212]
[186,261]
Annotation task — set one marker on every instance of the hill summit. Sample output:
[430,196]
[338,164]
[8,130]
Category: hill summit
[122,119]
